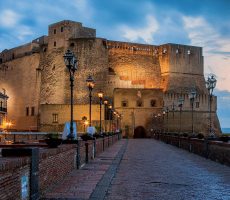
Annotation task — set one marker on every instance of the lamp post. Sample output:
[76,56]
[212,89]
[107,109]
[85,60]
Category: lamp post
[105,113]
[192,96]
[163,113]
[167,116]
[110,117]
[100,95]
[210,85]
[71,64]
[180,105]
[90,83]
[115,119]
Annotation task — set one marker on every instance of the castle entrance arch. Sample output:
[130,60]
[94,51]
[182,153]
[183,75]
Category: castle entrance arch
[139,132]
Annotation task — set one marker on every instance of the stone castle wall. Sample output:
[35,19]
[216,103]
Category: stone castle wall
[20,78]
[41,77]
[134,63]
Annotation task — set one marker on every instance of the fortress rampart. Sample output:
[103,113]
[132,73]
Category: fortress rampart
[35,74]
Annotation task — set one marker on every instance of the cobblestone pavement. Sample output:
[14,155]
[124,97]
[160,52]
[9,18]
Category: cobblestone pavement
[154,170]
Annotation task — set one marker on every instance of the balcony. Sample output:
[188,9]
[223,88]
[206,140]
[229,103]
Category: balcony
[4,110]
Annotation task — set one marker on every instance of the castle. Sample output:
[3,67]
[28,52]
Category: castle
[139,80]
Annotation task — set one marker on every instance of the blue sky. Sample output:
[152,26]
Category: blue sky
[203,23]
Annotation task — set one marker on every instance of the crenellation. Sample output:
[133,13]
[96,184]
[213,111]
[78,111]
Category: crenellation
[162,73]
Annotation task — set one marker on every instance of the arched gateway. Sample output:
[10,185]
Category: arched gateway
[139,132]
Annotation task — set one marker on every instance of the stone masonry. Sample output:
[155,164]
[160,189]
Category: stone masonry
[34,75]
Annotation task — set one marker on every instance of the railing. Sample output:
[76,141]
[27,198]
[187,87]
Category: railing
[3,109]
[215,150]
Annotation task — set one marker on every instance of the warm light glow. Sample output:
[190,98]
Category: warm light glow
[105,102]
[110,107]
[100,94]
[7,124]
[90,82]
[86,122]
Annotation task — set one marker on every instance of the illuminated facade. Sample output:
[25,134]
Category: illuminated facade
[37,81]
[3,110]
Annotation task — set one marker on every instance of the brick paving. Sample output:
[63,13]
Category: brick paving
[92,180]
[144,169]
[154,170]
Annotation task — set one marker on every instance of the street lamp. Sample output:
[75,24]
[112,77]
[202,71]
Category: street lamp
[167,116]
[100,95]
[180,105]
[90,84]
[210,85]
[105,113]
[71,64]
[164,121]
[192,96]
[110,117]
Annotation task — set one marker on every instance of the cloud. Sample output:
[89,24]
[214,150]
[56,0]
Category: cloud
[223,111]
[216,48]
[24,31]
[144,34]
[9,18]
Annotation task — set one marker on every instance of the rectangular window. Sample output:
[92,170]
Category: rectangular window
[197,104]
[124,103]
[27,111]
[55,118]
[55,44]
[153,103]
[62,29]
[139,103]
[54,31]
[32,111]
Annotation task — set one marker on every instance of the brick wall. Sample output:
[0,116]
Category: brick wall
[11,171]
[54,165]
[215,150]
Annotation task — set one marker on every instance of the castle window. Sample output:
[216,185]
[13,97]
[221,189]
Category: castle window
[197,104]
[55,31]
[0,60]
[62,29]
[153,103]
[72,44]
[27,111]
[55,44]
[55,118]
[139,103]
[32,111]
[124,103]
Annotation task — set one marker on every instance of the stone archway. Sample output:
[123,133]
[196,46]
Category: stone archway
[139,132]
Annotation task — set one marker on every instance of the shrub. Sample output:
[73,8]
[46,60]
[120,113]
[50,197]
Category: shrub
[200,136]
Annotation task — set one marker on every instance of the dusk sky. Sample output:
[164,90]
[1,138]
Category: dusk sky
[204,23]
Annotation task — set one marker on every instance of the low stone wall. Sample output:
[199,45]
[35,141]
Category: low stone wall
[28,177]
[215,150]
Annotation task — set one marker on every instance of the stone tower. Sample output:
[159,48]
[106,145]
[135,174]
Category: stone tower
[139,80]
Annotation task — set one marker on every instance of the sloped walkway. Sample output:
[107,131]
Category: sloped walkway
[145,169]
[93,179]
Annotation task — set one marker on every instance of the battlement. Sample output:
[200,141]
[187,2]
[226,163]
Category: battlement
[20,51]
[130,48]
